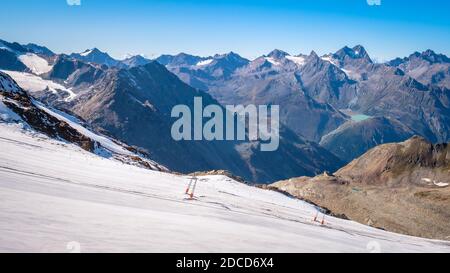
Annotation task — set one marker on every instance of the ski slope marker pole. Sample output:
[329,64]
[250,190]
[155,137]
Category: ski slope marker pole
[189,186]
[193,188]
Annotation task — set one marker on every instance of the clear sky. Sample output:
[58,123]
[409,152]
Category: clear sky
[248,27]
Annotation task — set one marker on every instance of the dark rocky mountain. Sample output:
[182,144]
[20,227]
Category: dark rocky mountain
[325,82]
[95,56]
[75,73]
[14,47]
[355,56]
[41,50]
[181,59]
[399,187]
[8,56]
[354,138]
[134,106]
[9,61]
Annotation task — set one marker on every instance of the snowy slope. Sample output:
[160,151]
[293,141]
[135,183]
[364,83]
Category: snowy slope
[54,195]
[33,83]
[76,124]
[17,106]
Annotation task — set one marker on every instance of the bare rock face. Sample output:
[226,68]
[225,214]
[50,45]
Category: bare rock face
[402,187]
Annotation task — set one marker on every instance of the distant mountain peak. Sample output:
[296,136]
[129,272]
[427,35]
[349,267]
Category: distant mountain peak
[278,54]
[432,57]
[135,60]
[138,57]
[229,56]
[37,49]
[95,55]
[313,55]
[92,51]
[358,52]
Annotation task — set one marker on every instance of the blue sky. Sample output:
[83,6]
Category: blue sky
[248,27]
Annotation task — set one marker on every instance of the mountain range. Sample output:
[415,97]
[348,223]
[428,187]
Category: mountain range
[318,95]
[344,101]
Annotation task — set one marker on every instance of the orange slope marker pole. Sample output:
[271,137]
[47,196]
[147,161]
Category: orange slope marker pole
[193,188]
[189,186]
[315,217]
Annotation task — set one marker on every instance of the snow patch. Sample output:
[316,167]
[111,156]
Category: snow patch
[273,61]
[205,62]
[86,53]
[436,183]
[299,60]
[35,63]
[440,184]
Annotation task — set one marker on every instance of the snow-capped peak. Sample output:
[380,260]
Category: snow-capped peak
[277,54]
[86,53]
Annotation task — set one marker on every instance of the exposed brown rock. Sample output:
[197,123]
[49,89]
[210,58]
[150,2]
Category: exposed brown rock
[398,187]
